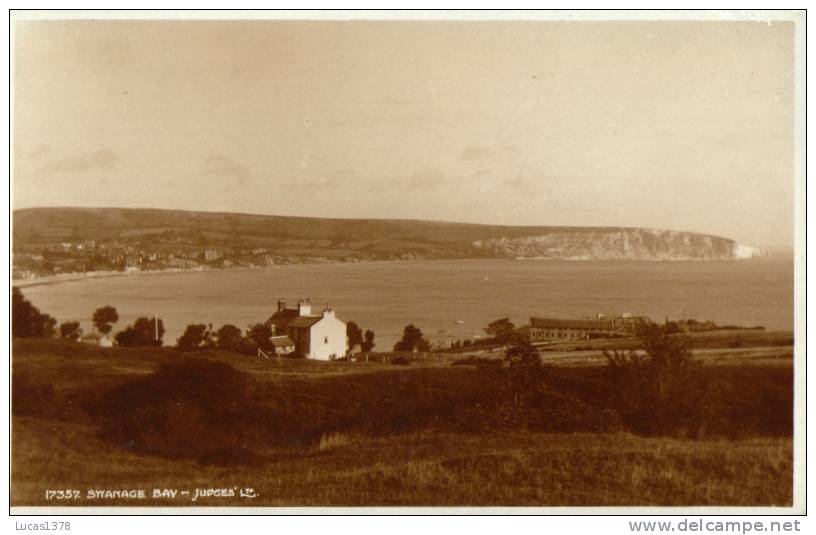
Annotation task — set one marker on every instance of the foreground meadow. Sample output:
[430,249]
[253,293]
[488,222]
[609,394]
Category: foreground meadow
[320,434]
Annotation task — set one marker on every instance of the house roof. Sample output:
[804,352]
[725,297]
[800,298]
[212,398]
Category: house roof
[304,322]
[281,341]
[551,323]
[282,317]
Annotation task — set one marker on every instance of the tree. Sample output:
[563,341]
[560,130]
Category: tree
[522,355]
[658,388]
[142,333]
[27,321]
[209,336]
[70,330]
[502,330]
[412,339]
[525,370]
[368,344]
[259,334]
[194,337]
[354,334]
[665,357]
[228,337]
[104,318]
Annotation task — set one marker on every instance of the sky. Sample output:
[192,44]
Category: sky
[679,125]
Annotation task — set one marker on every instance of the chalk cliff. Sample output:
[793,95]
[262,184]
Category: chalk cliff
[619,244]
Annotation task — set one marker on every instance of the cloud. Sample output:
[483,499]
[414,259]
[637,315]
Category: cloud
[224,167]
[101,160]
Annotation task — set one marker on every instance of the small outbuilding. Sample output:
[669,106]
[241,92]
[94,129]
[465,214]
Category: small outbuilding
[97,339]
[282,345]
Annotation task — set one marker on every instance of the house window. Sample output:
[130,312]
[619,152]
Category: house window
[325,339]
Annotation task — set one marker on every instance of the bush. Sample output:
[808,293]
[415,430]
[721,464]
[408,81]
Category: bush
[228,338]
[401,361]
[194,337]
[70,330]
[142,333]
[192,408]
[661,390]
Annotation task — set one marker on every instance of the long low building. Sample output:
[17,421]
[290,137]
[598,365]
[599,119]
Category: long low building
[544,329]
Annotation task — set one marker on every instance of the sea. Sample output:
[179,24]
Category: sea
[444,298]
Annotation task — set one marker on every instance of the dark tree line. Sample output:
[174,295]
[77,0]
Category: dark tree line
[228,337]
[27,321]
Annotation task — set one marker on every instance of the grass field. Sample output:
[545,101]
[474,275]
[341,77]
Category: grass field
[514,469]
[317,434]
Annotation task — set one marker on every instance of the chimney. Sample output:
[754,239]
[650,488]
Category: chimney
[304,307]
[281,304]
[328,312]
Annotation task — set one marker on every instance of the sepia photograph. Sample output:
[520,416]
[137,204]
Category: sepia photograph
[300,261]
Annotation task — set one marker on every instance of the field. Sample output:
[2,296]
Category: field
[364,434]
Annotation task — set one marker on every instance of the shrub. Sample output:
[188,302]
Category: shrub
[401,361]
[70,330]
[228,337]
[143,332]
[661,390]
[194,337]
[192,408]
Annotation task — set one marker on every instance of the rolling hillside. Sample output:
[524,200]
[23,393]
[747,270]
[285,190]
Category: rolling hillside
[400,238]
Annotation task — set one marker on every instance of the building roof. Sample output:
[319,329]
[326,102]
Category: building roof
[551,323]
[303,322]
[282,317]
[281,341]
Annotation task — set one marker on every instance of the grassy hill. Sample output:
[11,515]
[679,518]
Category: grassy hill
[100,223]
[151,232]
[313,433]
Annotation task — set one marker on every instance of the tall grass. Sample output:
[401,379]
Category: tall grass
[386,434]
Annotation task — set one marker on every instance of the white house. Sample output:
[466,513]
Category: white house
[319,337]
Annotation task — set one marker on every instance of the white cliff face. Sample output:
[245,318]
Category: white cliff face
[614,244]
[746,252]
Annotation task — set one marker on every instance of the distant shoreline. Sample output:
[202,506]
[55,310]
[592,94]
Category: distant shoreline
[75,277]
